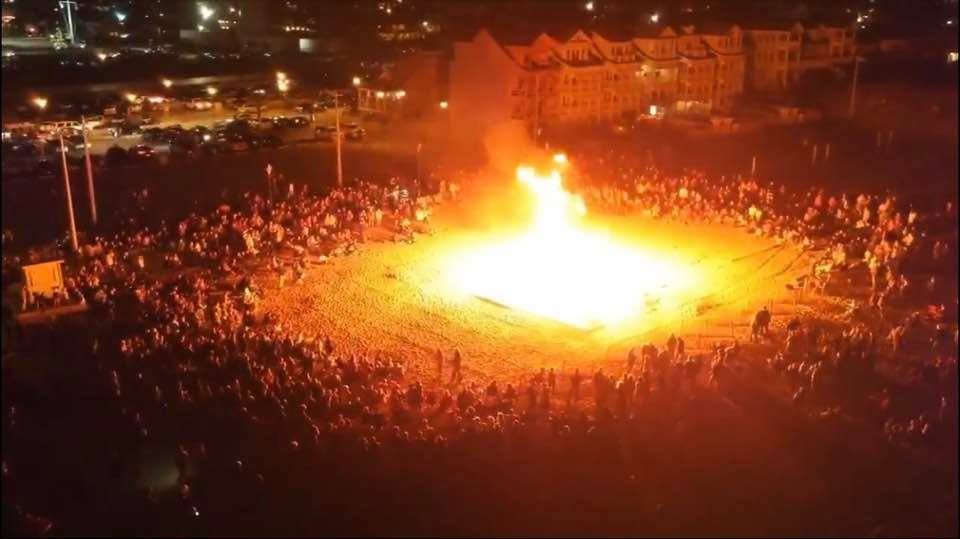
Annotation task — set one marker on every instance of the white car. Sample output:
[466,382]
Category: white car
[93,122]
[198,103]
[55,127]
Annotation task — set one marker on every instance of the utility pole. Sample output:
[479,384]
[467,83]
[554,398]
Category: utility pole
[66,183]
[67,5]
[536,112]
[419,147]
[853,88]
[269,171]
[336,106]
[86,158]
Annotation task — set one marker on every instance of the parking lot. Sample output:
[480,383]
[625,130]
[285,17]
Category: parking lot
[185,122]
[179,129]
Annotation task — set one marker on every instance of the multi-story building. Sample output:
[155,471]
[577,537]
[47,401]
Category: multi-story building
[608,75]
[773,57]
[725,43]
[597,77]
[778,56]
[827,46]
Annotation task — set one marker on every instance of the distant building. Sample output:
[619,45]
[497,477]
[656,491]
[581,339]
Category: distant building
[778,56]
[827,47]
[244,24]
[608,75]
[713,67]
[414,86]
[773,58]
[593,77]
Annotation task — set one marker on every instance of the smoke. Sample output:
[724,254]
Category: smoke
[507,145]
[497,200]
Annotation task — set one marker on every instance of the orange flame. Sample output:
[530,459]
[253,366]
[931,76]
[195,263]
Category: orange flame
[561,270]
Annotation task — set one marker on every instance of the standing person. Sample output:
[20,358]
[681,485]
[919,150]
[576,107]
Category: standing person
[439,359]
[457,362]
[575,381]
[552,380]
[672,345]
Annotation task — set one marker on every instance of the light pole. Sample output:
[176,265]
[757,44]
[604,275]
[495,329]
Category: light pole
[41,104]
[212,91]
[336,107]
[66,183]
[419,148]
[853,87]
[86,158]
[283,84]
[68,6]
[536,112]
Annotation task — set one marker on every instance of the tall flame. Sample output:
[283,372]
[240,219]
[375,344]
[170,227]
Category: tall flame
[561,270]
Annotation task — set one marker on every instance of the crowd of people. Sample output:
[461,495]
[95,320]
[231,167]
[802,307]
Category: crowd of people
[182,356]
[901,248]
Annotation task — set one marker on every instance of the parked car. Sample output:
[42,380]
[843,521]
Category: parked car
[93,122]
[236,143]
[141,151]
[202,133]
[238,126]
[263,124]
[154,134]
[356,134]
[250,110]
[266,141]
[198,103]
[291,122]
[184,147]
[309,107]
[325,133]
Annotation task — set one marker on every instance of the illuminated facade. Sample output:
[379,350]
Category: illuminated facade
[778,56]
[773,58]
[590,77]
[825,47]
[598,77]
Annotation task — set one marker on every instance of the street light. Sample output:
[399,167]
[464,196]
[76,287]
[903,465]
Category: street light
[281,75]
[39,102]
[211,91]
[357,81]
[167,83]
[205,11]
[444,105]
